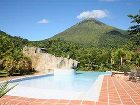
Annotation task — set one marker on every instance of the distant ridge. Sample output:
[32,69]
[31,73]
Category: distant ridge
[92,32]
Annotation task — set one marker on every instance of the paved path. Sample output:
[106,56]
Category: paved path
[115,91]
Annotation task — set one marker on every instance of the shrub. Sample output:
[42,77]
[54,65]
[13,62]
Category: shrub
[18,66]
[124,68]
[5,87]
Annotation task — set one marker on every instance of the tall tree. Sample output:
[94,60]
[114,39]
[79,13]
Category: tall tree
[134,30]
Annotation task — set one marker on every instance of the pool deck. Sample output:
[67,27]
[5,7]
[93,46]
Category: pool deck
[115,91]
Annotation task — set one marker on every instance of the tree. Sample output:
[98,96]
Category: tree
[5,87]
[118,56]
[12,60]
[6,46]
[134,30]
[24,66]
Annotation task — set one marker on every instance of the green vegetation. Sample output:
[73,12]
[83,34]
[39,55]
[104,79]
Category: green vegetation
[134,30]
[3,73]
[93,33]
[4,88]
[12,61]
[90,58]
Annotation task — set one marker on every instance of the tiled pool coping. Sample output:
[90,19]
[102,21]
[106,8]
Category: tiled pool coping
[16,79]
[114,91]
[29,77]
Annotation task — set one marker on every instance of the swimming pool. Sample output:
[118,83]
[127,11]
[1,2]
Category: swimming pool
[81,86]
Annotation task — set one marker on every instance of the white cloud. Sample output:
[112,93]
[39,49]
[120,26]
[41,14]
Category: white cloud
[108,0]
[93,14]
[43,21]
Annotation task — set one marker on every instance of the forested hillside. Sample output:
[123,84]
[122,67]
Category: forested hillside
[91,32]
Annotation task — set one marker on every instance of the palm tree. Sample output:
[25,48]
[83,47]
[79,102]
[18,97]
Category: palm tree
[118,55]
[5,87]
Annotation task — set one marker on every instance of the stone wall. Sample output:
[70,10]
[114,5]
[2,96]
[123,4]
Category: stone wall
[43,61]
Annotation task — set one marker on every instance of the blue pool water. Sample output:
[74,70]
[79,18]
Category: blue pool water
[59,87]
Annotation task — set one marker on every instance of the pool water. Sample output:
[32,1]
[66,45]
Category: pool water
[60,87]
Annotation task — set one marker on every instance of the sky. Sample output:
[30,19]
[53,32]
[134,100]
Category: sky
[42,19]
